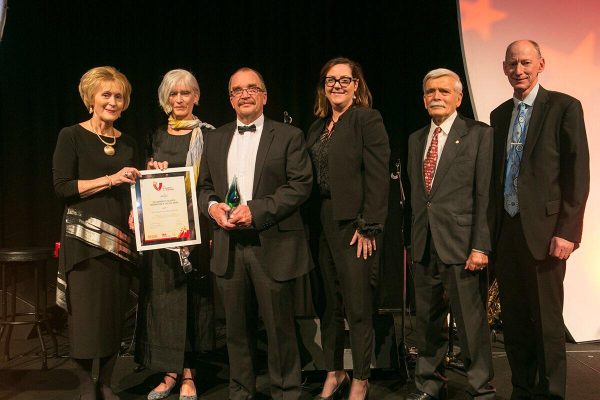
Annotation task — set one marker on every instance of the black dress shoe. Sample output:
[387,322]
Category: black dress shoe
[339,392]
[418,395]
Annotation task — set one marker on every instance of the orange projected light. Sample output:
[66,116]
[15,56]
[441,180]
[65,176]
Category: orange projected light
[569,36]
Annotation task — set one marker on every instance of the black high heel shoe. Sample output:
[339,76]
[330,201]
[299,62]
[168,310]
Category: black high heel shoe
[340,391]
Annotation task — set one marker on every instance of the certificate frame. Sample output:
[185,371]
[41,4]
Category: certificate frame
[165,209]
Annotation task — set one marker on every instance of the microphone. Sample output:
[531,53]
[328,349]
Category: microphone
[287,118]
[396,174]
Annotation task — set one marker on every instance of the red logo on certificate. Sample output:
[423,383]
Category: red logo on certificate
[157,185]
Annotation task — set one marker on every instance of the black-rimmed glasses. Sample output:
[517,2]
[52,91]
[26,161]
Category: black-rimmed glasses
[344,81]
[252,90]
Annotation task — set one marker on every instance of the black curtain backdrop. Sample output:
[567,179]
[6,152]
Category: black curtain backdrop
[48,45]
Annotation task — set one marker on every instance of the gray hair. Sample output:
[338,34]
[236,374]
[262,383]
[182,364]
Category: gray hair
[172,79]
[439,72]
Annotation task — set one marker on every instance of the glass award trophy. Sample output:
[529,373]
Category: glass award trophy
[232,198]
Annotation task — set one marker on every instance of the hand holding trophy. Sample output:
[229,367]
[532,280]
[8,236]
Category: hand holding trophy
[232,198]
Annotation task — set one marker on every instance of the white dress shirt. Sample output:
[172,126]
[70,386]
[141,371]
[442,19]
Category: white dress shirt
[241,158]
[442,137]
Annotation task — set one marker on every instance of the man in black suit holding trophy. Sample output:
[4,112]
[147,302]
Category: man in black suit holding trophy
[260,247]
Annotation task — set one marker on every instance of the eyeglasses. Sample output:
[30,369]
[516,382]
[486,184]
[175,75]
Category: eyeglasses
[252,90]
[344,81]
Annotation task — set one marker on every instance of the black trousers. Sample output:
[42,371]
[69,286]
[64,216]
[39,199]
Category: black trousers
[531,297]
[467,294]
[348,290]
[246,290]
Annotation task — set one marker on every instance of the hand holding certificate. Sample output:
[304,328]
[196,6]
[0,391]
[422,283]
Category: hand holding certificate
[165,210]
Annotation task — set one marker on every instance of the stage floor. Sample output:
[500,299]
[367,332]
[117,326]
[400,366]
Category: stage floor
[21,378]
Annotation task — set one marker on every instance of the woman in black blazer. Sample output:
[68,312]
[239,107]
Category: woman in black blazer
[350,152]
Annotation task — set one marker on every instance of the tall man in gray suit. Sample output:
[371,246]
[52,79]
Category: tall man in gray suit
[449,167]
[261,247]
[541,183]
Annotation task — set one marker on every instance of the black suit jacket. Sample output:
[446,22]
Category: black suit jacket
[456,209]
[554,174]
[282,182]
[358,161]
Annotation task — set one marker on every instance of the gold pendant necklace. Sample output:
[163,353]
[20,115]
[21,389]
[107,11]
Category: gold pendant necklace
[109,150]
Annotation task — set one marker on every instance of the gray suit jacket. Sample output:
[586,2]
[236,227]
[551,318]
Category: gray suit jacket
[456,209]
[282,182]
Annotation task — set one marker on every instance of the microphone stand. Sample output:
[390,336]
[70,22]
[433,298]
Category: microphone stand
[402,349]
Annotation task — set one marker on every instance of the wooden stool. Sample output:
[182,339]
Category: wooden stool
[11,261]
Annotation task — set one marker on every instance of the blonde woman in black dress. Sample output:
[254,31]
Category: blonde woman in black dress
[93,165]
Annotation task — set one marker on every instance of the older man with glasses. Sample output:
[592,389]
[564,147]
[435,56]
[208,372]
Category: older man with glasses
[260,247]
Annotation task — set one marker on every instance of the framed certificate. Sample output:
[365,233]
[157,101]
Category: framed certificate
[165,211]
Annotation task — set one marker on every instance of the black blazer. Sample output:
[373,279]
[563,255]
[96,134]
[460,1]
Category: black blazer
[282,182]
[456,209]
[554,176]
[358,160]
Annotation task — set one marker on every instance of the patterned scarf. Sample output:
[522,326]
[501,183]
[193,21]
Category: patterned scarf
[193,159]
[196,142]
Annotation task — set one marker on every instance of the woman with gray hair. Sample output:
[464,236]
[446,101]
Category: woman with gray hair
[175,311]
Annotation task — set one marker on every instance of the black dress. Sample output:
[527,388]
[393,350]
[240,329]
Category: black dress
[97,279]
[175,312]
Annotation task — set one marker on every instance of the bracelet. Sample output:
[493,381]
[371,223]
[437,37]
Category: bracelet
[109,182]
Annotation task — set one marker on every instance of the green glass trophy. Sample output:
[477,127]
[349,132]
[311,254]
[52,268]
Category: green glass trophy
[232,198]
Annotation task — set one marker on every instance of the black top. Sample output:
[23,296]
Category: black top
[318,153]
[170,148]
[79,154]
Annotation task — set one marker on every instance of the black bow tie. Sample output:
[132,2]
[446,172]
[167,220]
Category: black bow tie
[246,128]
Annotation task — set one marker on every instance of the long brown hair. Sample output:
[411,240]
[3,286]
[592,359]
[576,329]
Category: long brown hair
[363,95]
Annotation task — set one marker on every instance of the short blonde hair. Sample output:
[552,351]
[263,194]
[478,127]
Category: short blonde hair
[91,80]
[171,79]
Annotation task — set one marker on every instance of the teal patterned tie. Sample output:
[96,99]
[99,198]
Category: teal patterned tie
[513,161]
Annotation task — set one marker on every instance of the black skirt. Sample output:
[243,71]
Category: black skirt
[99,299]
[175,319]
